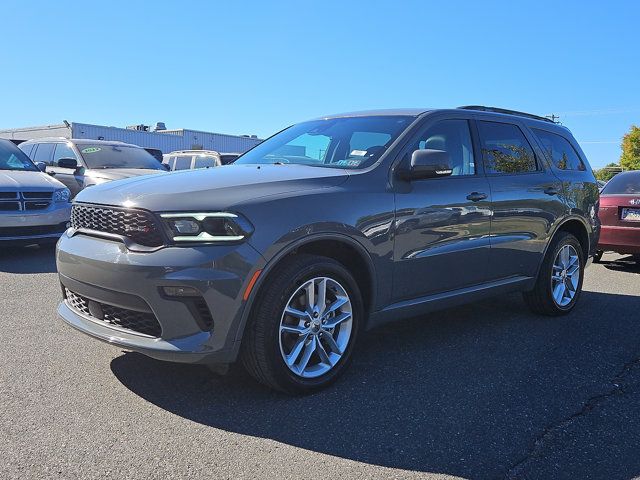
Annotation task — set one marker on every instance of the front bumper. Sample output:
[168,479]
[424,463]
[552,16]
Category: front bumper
[624,240]
[104,272]
[35,225]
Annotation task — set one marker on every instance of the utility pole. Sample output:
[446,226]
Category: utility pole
[554,118]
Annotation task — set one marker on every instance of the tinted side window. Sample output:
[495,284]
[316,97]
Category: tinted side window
[26,148]
[63,151]
[453,137]
[505,149]
[559,151]
[43,153]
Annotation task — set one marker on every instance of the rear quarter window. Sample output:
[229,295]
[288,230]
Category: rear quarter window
[559,150]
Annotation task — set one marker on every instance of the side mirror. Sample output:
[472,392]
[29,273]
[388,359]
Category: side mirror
[41,166]
[68,163]
[429,163]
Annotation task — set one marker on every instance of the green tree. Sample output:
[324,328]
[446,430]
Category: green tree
[607,173]
[630,158]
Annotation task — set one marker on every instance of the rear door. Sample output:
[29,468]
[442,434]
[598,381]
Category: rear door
[526,198]
[442,224]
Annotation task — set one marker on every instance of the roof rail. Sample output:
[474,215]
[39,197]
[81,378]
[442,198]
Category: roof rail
[482,108]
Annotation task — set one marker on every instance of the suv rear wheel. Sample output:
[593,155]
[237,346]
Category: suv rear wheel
[304,325]
[559,281]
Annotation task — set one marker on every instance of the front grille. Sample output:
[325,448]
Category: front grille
[9,206]
[140,322]
[36,205]
[11,195]
[38,195]
[137,225]
[33,230]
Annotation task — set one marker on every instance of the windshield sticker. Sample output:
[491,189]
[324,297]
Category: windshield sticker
[91,150]
[349,163]
[358,153]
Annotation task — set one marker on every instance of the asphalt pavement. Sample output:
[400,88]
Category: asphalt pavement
[484,391]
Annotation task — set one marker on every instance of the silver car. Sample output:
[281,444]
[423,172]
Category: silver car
[34,207]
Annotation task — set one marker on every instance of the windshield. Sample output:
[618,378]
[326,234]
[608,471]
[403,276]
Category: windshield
[623,183]
[118,156]
[354,142]
[12,158]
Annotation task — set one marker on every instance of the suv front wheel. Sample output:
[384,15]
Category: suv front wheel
[559,281]
[304,325]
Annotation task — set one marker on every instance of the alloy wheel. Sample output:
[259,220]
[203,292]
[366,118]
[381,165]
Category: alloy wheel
[565,276]
[315,327]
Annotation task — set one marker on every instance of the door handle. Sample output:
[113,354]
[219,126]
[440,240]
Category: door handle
[476,196]
[551,191]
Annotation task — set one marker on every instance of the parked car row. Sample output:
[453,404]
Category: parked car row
[35,208]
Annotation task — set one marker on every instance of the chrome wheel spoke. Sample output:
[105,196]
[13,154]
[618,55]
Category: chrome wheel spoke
[322,353]
[306,356]
[331,343]
[294,312]
[310,289]
[295,352]
[558,293]
[295,329]
[322,296]
[337,320]
[339,302]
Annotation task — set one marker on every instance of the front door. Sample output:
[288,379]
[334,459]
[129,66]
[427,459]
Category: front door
[442,224]
[73,179]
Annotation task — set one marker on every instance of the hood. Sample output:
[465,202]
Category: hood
[13,181]
[120,173]
[211,188]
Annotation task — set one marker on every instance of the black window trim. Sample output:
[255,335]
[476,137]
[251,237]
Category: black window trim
[534,147]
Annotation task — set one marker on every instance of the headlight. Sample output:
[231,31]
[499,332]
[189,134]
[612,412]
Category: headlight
[62,195]
[206,227]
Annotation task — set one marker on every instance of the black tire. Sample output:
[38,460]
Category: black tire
[540,298]
[260,351]
[598,256]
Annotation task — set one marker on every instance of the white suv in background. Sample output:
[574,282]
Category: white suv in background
[34,207]
[192,159]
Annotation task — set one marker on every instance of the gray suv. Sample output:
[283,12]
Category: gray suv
[329,228]
[81,163]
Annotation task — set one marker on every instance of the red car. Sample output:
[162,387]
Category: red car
[620,215]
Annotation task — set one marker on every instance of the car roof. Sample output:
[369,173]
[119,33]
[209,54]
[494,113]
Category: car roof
[193,152]
[81,141]
[479,111]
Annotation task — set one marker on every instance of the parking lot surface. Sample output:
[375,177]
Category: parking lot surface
[482,391]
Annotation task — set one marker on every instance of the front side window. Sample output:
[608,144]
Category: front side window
[43,153]
[505,149]
[453,137]
[117,156]
[559,150]
[350,142]
[63,151]
[12,158]
[181,162]
[26,148]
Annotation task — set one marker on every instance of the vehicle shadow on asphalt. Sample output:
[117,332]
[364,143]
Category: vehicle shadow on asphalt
[31,259]
[466,391]
[623,264]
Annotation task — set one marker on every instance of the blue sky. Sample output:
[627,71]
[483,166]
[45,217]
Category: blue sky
[256,67]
